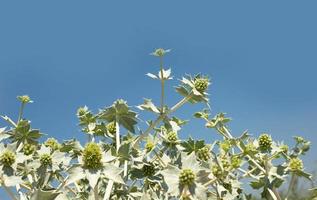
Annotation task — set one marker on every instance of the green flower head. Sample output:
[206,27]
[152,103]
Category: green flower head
[148,170]
[265,141]
[236,161]
[92,156]
[52,143]
[201,84]
[28,149]
[111,128]
[82,111]
[225,145]
[149,146]
[204,153]
[7,158]
[24,99]
[296,164]
[187,177]
[160,52]
[284,148]
[172,137]
[46,159]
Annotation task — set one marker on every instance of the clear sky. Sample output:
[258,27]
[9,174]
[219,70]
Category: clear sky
[261,56]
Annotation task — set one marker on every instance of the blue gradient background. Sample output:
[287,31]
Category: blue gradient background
[261,56]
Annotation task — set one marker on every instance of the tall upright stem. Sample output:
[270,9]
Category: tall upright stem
[162,85]
[21,112]
[117,163]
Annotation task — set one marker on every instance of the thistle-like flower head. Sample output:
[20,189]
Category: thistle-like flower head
[201,84]
[187,177]
[28,149]
[7,158]
[52,143]
[92,156]
[204,153]
[295,164]
[46,159]
[172,137]
[111,127]
[265,141]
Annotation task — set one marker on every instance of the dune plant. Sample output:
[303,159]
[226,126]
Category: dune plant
[123,160]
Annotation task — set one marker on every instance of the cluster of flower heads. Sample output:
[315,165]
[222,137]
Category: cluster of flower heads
[121,161]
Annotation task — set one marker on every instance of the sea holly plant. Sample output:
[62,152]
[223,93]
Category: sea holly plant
[125,158]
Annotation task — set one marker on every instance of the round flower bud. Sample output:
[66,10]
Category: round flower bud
[92,156]
[225,145]
[160,52]
[204,153]
[82,111]
[149,146]
[187,177]
[216,171]
[172,137]
[24,99]
[111,128]
[28,149]
[52,143]
[201,84]
[236,161]
[296,164]
[148,170]
[7,158]
[265,142]
[249,148]
[46,159]
[284,148]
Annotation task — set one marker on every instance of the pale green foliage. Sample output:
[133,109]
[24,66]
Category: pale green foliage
[122,160]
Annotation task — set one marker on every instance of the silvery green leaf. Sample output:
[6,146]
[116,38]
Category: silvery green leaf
[93,177]
[171,176]
[9,120]
[3,135]
[174,126]
[113,173]
[120,111]
[76,173]
[152,76]
[190,162]
[166,74]
[148,105]
[12,180]
[40,194]
[198,191]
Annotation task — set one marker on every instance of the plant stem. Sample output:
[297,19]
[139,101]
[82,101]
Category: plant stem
[291,185]
[162,85]
[21,111]
[117,163]
[161,117]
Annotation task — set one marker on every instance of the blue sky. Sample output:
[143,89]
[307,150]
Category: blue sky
[261,56]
